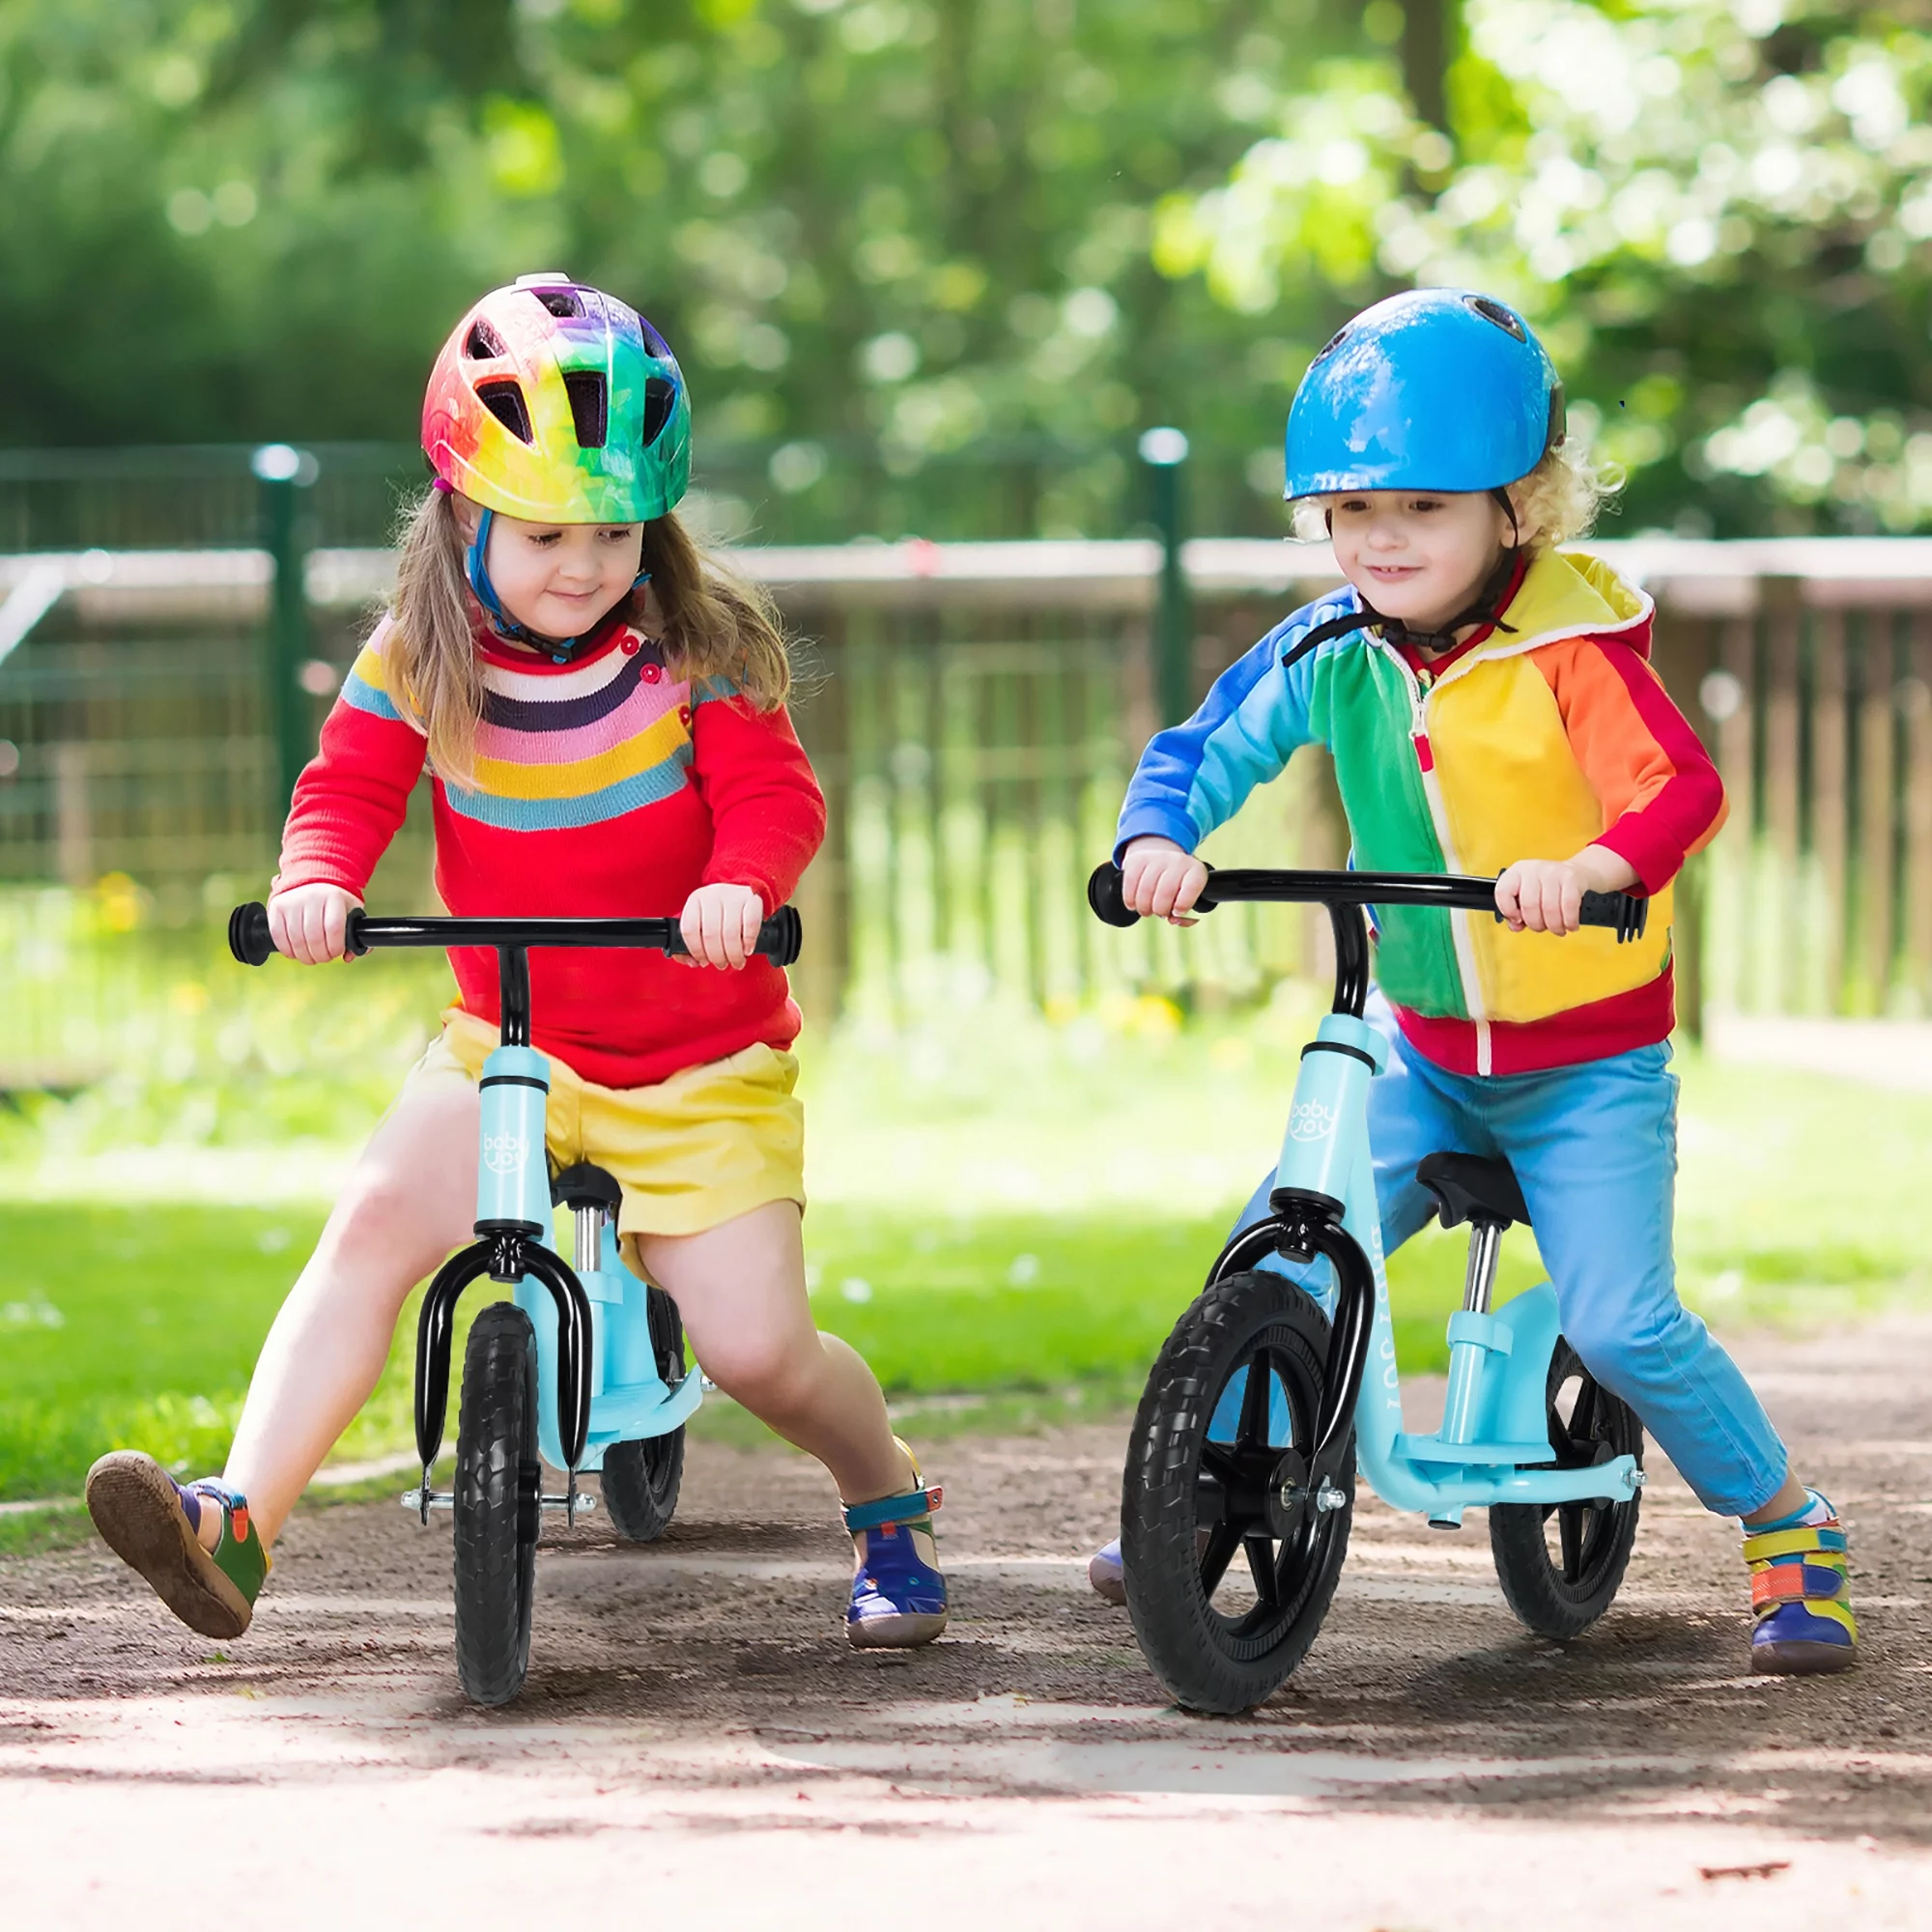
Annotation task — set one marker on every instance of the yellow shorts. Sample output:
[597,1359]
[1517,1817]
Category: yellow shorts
[705,1146]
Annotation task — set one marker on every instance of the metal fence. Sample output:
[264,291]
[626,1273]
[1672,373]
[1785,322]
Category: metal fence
[973,710]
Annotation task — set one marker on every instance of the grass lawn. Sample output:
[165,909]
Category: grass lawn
[1022,1210]
[138,1326]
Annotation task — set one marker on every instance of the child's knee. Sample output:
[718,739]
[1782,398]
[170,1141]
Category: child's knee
[1628,1350]
[380,1226]
[767,1374]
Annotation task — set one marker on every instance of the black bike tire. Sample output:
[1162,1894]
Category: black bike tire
[1182,1638]
[1543,1599]
[641,1480]
[498,1505]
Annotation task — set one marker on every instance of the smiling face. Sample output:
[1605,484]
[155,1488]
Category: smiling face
[1418,557]
[558,579]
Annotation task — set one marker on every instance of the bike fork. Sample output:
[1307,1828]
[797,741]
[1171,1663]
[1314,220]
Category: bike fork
[512,1211]
[1310,1224]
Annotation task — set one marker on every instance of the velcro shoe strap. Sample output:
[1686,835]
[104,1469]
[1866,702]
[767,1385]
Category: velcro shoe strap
[907,1508]
[1800,1541]
[1797,1582]
[1826,1610]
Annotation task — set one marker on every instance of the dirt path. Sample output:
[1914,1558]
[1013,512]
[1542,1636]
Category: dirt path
[697,1740]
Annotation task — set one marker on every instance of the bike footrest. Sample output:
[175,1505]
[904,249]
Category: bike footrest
[581,1503]
[1433,1449]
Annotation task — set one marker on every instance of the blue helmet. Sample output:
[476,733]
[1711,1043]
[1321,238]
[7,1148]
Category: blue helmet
[1431,389]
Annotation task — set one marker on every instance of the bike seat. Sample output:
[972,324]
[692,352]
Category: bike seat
[1469,1188]
[584,1185]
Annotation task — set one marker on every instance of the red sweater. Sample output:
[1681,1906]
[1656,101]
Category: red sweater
[604,789]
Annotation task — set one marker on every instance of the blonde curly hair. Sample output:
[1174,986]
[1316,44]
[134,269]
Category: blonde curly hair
[1560,499]
[1557,503]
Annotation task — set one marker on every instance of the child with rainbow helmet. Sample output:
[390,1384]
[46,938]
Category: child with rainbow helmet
[566,409]
[599,708]
[1484,693]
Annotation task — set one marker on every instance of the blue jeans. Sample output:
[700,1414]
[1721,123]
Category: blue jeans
[1595,1152]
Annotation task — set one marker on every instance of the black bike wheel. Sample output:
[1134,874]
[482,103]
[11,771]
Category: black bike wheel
[498,1505]
[1228,1418]
[1560,1564]
[641,1480]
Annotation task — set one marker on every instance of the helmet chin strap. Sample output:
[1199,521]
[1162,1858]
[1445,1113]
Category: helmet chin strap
[559,650]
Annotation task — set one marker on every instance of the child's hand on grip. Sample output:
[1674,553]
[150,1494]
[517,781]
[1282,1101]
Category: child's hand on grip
[1547,894]
[721,926]
[311,922]
[1158,880]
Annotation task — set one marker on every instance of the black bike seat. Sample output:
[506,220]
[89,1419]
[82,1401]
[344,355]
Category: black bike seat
[1469,1188]
[584,1185]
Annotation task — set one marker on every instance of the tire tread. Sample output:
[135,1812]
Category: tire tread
[1161,1563]
[495,1571]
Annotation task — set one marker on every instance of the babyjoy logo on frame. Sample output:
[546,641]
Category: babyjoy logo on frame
[504,1154]
[1311,1121]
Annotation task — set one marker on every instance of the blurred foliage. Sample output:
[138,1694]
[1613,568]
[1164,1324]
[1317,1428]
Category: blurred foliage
[931,263]
[1716,210]
[878,232]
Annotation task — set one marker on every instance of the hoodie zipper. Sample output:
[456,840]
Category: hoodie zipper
[1432,791]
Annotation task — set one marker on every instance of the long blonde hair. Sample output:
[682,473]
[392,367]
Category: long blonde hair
[714,624]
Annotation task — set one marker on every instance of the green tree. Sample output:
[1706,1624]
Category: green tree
[902,246]
[1716,211]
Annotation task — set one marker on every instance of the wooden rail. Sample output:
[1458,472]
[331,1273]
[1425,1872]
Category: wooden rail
[973,710]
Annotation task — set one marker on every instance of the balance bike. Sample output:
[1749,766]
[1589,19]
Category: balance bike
[583,1365]
[1261,1404]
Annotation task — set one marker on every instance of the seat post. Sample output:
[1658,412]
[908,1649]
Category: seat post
[589,1218]
[1486,1239]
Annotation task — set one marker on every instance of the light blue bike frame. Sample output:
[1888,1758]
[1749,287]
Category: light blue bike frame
[630,1398]
[1496,1413]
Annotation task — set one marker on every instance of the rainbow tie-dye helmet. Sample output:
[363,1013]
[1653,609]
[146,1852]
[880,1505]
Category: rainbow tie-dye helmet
[558,404]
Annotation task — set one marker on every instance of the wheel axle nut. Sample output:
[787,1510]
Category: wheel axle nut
[1328,1498]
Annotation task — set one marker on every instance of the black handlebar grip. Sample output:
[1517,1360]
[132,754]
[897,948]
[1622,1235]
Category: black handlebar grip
[249,934]
[782,936]
[781,939]
[1106,897]
[1626,914]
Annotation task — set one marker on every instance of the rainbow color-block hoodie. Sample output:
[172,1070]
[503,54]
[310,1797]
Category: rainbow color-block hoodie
[1549,733]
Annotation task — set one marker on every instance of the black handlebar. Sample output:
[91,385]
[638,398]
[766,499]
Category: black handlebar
[1626,914]
[778,938]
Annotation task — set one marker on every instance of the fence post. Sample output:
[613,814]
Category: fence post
[1164,451]
[281,471]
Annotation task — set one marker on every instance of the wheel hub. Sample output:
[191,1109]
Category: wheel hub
[1287,1496]
[529,1501]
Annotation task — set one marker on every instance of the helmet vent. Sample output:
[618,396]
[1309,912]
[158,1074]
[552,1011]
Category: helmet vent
[589,407]
[1559,426]
[482,344]
[1495,312]
[505,402]
[659,399]
[560,301]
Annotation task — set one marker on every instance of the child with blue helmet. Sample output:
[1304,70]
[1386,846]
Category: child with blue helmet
[1487,695]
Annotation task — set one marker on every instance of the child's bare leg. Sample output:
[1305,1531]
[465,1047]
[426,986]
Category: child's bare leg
[411,1199]
[740,1288]
[741,1291]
